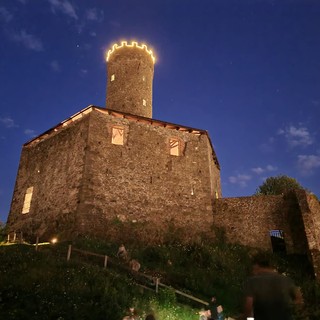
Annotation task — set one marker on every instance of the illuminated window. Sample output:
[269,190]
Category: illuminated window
[143,78]
[216,194]
[175,147]
[27,200]
[144,102]
[117,135]
[112,77]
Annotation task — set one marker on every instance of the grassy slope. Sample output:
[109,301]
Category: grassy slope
[43,285]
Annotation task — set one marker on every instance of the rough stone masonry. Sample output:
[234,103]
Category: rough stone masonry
[119,174]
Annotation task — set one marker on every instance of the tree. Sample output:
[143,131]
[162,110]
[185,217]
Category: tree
[278,185]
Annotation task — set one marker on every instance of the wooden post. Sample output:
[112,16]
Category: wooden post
[105,261]
[8,238]
[157,285]
[14,236]
[21,236]
[37,243]
[69,252]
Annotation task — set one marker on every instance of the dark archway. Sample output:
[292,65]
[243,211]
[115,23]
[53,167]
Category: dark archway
[277,241]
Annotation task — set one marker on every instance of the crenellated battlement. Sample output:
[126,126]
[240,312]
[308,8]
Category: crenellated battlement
[133,44]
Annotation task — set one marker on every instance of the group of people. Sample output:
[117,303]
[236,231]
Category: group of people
[213,312]
[268,294]
[123,255]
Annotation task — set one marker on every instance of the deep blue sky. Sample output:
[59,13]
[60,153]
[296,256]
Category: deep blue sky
[248,71]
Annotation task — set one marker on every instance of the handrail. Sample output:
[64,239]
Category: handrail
[184,294]
[155,281]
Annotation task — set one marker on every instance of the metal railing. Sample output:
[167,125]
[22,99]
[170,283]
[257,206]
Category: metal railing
[154,282]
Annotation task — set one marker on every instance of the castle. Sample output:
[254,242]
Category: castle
[117,173]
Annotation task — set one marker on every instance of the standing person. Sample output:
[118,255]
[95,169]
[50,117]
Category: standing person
[268,294]
[216,310]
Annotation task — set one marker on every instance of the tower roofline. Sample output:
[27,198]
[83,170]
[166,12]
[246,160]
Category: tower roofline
[133,44]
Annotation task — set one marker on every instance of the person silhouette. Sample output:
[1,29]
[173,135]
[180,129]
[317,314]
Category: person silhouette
[268,294]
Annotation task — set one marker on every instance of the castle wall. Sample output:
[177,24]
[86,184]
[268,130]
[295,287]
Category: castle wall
[310,210]
[84,184]
[140,184]
[54,168]
[249,220]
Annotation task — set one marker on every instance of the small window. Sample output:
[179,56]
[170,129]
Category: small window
[27,200]
[144,102]
[143,78]
[112,77]
[175,147]
[117,135]
[217,195]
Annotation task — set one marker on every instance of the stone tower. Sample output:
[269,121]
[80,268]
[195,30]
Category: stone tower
[116,172]
[130,75]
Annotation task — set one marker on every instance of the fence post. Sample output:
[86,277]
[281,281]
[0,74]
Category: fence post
[157,285]
[8,238]
[14,236]
[37,243]
[105,261]
[69,252]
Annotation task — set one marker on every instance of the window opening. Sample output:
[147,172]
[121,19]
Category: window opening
[277,241]
[144,102]
[117,135]
[27,200]
[174,147]
[112,77]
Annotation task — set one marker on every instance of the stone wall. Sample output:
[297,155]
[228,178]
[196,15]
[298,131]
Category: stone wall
[310,210]
[249,220]
[140,185]
[54,168]
[84,184]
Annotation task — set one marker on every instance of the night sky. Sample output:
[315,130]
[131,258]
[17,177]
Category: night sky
[246,71]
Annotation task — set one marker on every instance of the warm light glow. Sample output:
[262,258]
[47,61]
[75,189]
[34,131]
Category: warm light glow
[27,200]
[54,240]
[130,45]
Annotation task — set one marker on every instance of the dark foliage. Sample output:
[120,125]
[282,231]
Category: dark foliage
[278,185]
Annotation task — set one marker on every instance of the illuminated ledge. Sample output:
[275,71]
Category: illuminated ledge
[133,44]
[59,126]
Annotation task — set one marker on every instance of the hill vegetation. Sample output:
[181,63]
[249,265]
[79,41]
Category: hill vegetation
[44,285]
